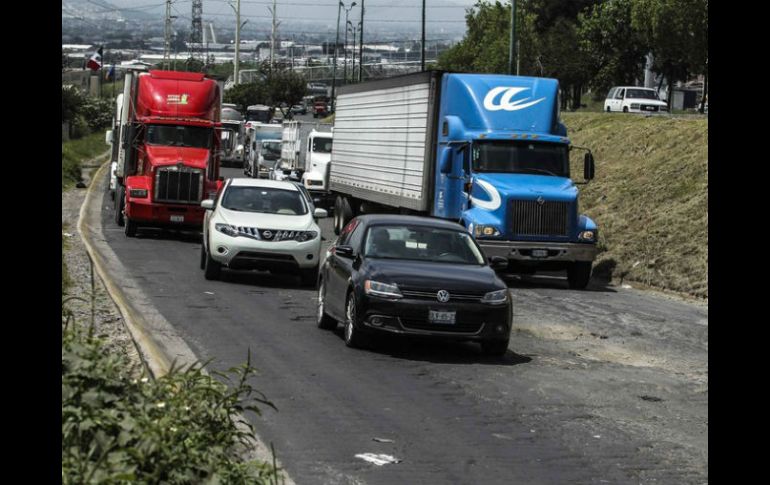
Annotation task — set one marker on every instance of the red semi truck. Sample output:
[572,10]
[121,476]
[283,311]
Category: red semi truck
[168,159]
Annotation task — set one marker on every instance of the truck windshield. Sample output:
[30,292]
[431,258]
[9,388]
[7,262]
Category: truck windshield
[421,243]
[180,136]
[258,116]
[521,157]
[271,150]
[266,200]
[322,145]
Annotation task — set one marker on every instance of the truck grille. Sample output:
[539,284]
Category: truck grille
[531,218]
[179,184]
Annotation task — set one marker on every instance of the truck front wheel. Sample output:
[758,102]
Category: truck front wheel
[342,214]
[130,228]
[120,203]
[579,274]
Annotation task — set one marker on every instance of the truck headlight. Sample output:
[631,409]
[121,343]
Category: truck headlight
[226,229]
[485,230]
[495,297]
[138,193]
[587,236]
[383,290]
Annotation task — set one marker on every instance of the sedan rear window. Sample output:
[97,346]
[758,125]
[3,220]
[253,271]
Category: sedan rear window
[267,200]
[421,243]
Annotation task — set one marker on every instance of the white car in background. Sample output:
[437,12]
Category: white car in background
[632,99]
[261,224]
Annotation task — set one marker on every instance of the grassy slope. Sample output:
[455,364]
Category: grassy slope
[74,152]
[650,196]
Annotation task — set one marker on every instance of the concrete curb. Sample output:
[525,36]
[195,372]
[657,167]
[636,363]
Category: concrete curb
[156,340]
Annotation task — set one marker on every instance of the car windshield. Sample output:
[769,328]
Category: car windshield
[642,94]
[421,243]
[521,157]
[322,145]
[181,136]
[267,200]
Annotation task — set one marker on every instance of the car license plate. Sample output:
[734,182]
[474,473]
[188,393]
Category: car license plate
[539,253]
[177,218]
[441,317]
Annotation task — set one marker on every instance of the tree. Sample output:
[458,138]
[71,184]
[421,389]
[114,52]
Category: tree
[615,50]
[677,33]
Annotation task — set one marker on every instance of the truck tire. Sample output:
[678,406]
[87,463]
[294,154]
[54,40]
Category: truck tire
[579,274]
[342,214]
[130,227]
[120,204]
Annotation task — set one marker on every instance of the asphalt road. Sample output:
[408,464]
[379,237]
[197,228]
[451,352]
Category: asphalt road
[608,385]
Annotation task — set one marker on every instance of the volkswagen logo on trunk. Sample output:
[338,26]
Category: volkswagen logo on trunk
[442,296]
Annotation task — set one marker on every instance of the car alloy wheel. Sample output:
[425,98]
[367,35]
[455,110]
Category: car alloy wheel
[324,321]
[353,337]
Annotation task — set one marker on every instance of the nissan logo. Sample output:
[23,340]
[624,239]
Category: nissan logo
[442,296]
[267,234]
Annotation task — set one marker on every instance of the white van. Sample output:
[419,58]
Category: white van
[633,99]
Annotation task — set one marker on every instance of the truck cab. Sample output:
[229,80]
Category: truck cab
[504,172]
[317,160]
[267,154]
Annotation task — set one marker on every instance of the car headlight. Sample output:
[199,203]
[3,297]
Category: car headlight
[587,236]
[138,193]
[495,297]
[226,229]
[483,230]
[383,290]
[303,236]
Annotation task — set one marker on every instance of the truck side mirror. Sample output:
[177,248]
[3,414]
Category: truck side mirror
[445,164]
[588,166]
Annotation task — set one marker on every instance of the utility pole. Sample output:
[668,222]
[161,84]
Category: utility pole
[167,36]
[272,37]
[361,46]
[345,67]
[237,60]
[422,45]
[512,47]
[336,44]
[353,57]
[196,29]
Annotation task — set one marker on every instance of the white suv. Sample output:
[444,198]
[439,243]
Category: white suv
[631,99]
[261,224]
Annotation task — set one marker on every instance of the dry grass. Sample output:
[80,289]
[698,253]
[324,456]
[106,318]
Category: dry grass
[649,197]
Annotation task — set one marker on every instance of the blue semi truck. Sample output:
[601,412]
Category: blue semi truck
[486,150]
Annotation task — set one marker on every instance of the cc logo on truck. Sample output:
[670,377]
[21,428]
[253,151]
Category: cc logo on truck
[442,296]
[505,100]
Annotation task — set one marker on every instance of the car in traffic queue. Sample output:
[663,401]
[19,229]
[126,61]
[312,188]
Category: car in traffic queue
[632,99]
[255,224]
[410,275]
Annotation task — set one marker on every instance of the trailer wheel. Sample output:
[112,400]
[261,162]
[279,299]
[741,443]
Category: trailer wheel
[579,274]
[342,214]
[120,204]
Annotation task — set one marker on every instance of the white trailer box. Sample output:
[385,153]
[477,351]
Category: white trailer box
[383,141]
[294,137]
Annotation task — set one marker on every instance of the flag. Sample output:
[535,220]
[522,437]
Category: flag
[110,75]
[95,62]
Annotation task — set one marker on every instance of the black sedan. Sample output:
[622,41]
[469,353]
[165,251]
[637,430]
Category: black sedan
[415,276]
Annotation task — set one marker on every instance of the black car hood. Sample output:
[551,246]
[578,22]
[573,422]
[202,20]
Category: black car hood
[432,276]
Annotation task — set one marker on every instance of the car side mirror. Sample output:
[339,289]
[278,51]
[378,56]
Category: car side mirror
[498,262]
[588,166]
[320,213]
[344,251]
[208,204]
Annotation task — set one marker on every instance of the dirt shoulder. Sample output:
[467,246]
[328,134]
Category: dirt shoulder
[108,322]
